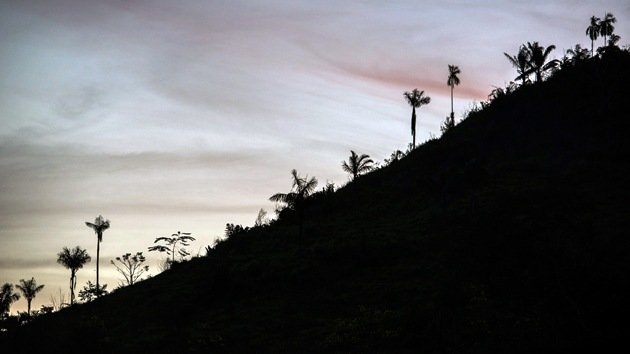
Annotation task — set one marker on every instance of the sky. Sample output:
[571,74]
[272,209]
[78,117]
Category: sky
[168,116]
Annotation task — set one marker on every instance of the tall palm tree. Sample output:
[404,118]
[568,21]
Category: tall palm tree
[301,188]
[538,59]
[521,62]
[593,31]
[452,81]
[7,297]
[606,27]
[357,165]
[99,226]
[415,99]
[29,289]
[73,259]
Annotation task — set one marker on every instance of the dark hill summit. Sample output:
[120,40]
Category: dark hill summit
[509,234]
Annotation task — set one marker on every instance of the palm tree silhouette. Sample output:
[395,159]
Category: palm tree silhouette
[7,297]
[521,62]
[99,226]
[415,99]
[452,81]
[301,188]
[538,59]
[29,289]
[357,165]
[606,27]
[73,259]
[592,31]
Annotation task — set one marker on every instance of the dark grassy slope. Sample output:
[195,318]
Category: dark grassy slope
[508,234]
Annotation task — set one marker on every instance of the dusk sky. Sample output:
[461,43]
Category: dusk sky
[186,115]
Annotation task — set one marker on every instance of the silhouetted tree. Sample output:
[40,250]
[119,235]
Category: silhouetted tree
[29,289]
[7,297]
[183,238]
[261,218]
[520,61]
[395,156]
[302,187]
[99,226]
[578,53]
[131,267]
[452,81]
[538,59]
[73,259]
[415,99]
[593,31]
[357,165]
[606,27]
[91,292]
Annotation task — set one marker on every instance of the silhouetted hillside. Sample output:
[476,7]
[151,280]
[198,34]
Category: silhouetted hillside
[508,234]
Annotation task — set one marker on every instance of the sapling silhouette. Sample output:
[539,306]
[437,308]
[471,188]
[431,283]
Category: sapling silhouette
[357,165]
[131,267]
[169,248]
[302,187]
[91,292]
[7,297]
[99,226]
[415,98]
[593,31]
[29,289]
[73,259]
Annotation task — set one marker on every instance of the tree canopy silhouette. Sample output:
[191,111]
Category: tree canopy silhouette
[99,226]
[29,290]
[416,99]
[73,259]
[7,297]
[357,165]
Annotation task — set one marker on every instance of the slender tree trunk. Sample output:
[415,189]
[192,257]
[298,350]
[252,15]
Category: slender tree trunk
[592,46]
[98,250]
[73,284]
[28,309]
[452,100]
[413,125]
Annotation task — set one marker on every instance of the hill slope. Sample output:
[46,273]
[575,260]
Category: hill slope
[508,234]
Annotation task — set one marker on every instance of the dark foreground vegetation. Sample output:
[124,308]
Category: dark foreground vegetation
[508,234]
